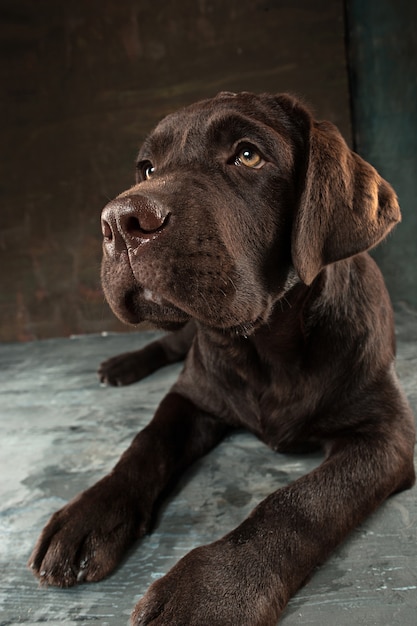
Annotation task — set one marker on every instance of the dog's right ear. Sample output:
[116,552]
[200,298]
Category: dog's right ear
[345,206]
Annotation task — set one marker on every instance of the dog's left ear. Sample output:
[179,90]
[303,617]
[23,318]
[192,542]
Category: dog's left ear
[345,208]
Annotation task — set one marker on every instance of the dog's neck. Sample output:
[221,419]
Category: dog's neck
[285,321]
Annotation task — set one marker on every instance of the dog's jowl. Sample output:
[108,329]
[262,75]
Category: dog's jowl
[245,236]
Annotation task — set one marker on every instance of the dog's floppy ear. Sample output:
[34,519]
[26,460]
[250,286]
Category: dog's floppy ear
[345,207]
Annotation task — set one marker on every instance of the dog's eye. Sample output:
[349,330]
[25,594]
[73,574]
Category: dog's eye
[249,157]
[147,170]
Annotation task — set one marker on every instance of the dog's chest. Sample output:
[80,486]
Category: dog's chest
[236,383]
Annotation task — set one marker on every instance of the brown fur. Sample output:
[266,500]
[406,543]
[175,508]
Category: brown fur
[286,329]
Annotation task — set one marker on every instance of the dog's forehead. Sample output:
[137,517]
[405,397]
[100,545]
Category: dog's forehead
[231,112]
[244,103]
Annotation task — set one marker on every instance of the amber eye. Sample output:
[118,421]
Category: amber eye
[249,157]
[148,170]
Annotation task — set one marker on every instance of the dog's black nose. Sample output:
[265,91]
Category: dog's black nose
[131,220]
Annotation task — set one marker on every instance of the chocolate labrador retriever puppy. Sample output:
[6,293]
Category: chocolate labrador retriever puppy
[246,234]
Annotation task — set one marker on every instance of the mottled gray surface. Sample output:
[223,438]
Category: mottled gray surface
[60,431]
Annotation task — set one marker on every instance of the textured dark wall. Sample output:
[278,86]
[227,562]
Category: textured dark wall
[383,68]
[82,82]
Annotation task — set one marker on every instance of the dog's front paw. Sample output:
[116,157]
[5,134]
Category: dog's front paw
[221,584]
[123,369]
[86,539]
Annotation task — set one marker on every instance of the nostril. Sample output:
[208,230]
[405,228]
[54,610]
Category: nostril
[145,224]
[133,227]
[106,230]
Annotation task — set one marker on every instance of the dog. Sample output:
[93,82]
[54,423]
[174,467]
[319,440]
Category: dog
[246,237]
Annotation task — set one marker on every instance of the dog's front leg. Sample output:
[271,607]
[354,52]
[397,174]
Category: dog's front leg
[86,539]
[248,576]
[129,367]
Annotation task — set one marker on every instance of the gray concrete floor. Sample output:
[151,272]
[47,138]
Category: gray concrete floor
[60,431]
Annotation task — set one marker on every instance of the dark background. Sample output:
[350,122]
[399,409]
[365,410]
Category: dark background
[82,83]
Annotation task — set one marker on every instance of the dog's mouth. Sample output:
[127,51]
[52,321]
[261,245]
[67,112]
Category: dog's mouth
[169,300]
[142,304]
[151,296]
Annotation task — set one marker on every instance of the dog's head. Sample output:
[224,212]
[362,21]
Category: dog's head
[237,199]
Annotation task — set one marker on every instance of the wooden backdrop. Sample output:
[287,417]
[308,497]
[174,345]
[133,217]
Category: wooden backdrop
[81,85]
